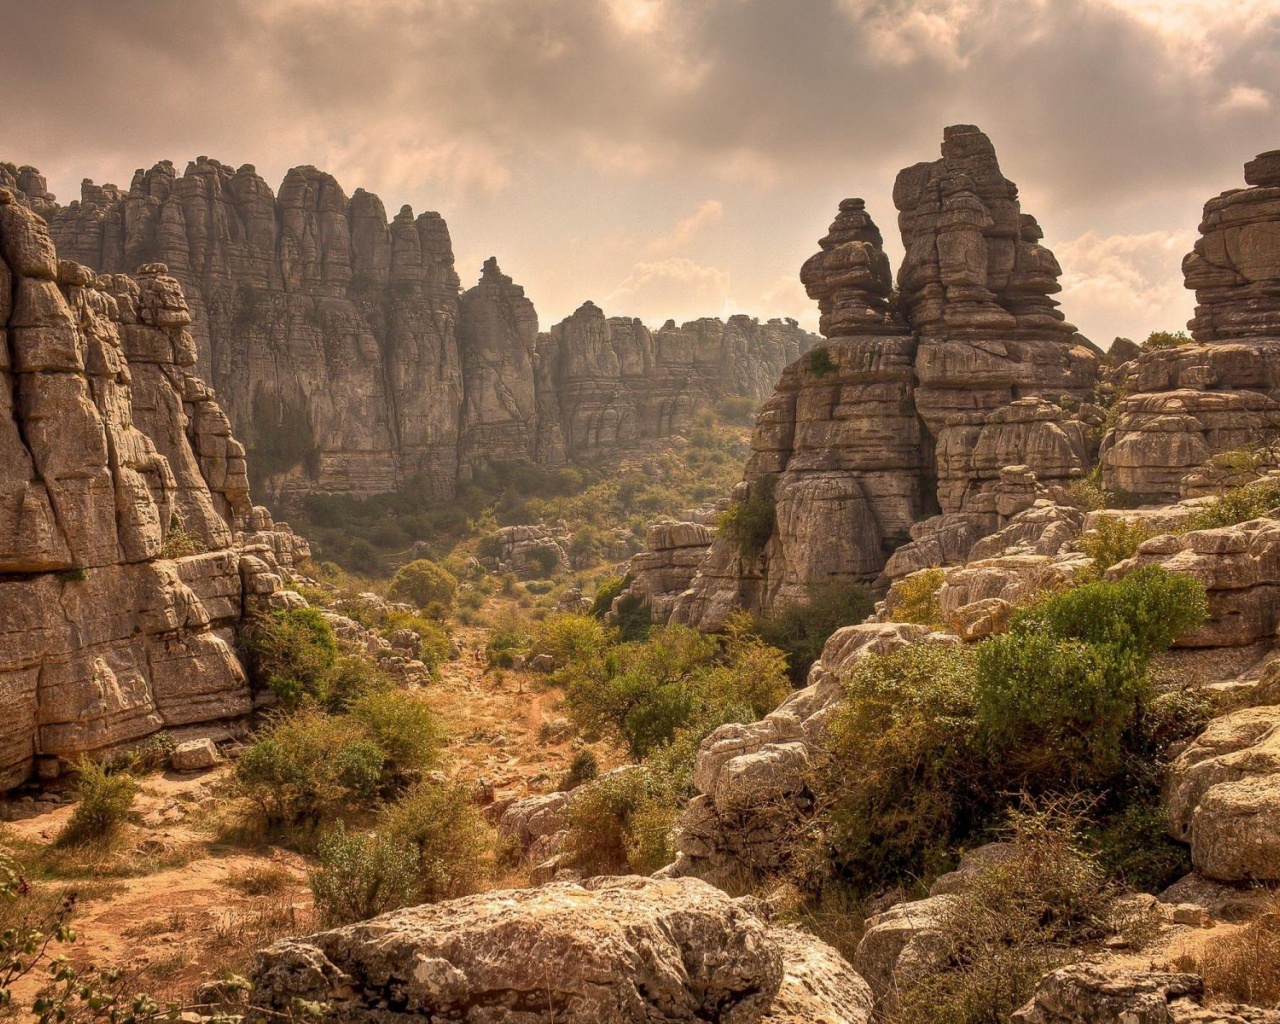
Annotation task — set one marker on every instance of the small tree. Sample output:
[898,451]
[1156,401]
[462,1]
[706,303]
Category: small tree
[422,582]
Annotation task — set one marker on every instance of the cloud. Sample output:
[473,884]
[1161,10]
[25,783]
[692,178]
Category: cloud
[1117,117]
[676,288]
[1125,285]
[708,213]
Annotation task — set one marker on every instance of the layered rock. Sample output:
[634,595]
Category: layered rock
[346,357]
[964,399]
[837,450]
[497,336]
[1222,392]
[673,551]
[610,381]
[623,950]
[114,454]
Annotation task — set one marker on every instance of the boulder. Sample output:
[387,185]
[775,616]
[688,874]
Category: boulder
[623,950]
[194,755]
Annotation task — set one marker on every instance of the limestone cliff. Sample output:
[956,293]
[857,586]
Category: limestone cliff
[1187,403]
[348,358]
[112,451]
[920,402]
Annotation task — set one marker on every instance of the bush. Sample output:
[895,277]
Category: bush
[1058,695]
[1252,501]
[634,618]
[360,875]
[509,640]
[583,769]
[820,362]
[801,628]
[748,524]
[915,598]
[104,802]
[740,409]
[907,732]
[567,636]
[1134,846]
[423,583]
[621,824]
[452,844]
[1166,339]
[1114,540]
[646,692]
[545,558]
[310,766]
[404,729]
[1010,924]
[291,651]
[606,591]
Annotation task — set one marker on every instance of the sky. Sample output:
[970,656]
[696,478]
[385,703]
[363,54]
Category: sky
[675,158]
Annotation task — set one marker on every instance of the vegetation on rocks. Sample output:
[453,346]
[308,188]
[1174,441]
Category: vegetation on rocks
[800,628]
[748,524]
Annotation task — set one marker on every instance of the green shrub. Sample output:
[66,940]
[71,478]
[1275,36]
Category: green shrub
[1252,501]
[1134,846]
[1167,339]
[545,558]
[568,636]
[359,876]
[583,769]
[907,732]
[510,639]
[350,678]
[915,598]
[291,651]
[308,767]
[423,583]
[749,524]
[606,591]
[1113,540]
[621,824]
[104,800]
[1061,692]
[820,363]
[178,543]
[800,629]
[404,729]
[634,618]
[452,844]
[740,409]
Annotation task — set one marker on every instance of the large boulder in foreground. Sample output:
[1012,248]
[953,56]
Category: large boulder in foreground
[608,951]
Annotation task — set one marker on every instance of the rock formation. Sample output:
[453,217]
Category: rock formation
[1187,403]
[113,453]
[965,398]
[620,950]
[349,362]
[837,449]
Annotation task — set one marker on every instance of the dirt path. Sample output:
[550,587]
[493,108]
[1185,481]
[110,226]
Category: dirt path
[195,907]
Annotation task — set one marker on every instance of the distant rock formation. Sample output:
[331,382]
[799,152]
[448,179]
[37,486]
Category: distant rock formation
[347,358]
[964,398]
[116,459]
[1187,403]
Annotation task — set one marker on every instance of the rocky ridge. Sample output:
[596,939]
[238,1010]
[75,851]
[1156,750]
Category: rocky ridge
[117,459]
[347,357]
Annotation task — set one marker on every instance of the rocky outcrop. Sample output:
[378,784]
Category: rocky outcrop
[622,950]
[932,417]
[998,368]
[345,355]
[116,461]
[1224,797]
[673,551]
[1098,994]
[837,458]
[751,780]
[1220,392]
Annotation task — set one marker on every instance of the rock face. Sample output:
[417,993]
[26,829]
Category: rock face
[1224,797]
[964,402]
[346,356]
[1190,402]
[616,950]
[114,454]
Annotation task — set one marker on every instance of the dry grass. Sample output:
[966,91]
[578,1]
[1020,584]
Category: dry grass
[261,879]
[1244,966]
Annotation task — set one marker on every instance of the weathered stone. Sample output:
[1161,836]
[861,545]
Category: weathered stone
[194,755]
[623,950]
